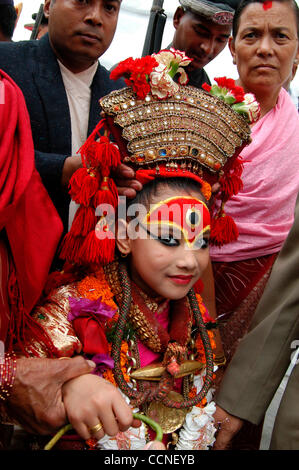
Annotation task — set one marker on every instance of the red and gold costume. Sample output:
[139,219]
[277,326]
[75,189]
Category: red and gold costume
[157,351]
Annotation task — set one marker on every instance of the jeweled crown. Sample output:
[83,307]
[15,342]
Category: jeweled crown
[190,130]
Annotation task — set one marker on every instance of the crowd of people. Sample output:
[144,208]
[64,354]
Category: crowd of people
[155,323]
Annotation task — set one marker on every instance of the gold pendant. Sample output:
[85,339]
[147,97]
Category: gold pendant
[170,419]
[155,371]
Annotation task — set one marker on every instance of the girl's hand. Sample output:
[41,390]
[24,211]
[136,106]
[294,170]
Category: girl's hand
[90,400]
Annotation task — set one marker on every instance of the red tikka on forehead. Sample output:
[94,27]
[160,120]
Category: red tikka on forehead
[187,214]
[267,5]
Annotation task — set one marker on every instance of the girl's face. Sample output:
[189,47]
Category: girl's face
[164,260]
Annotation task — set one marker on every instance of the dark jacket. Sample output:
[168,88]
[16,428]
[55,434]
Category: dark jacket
[34,67]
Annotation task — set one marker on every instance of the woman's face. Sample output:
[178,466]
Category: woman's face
[265,47]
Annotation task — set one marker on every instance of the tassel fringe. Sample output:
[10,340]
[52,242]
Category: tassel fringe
[223,230]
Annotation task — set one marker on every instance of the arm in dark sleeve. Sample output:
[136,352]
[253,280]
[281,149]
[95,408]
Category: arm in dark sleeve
[49,166]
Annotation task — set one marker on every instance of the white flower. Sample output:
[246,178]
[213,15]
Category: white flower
[254,108]
[132,439]
[161,82]
[249,107]
[171,57]
[174,61]
[198,431]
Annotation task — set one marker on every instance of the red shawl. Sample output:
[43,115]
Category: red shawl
[27,214]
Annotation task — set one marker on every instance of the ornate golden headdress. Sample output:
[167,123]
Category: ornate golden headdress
[162,129]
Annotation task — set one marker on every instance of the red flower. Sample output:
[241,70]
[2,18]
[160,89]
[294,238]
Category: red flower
[224,82]
[91,334]
[88,318]
[238,93]
[206,87]
[136,73]
[122,69]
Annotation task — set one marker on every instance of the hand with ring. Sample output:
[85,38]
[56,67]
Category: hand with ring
[227,426]
[96,428]
[95,407]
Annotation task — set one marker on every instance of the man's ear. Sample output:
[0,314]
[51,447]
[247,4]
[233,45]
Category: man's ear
[123,242]
[231,45]
[47,8]
[178,16]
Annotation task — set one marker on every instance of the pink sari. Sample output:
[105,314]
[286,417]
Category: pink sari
[264,213]
[264,208]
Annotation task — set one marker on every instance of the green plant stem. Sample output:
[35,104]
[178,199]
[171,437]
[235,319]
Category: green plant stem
[155,426]
[150,422]
[57,436]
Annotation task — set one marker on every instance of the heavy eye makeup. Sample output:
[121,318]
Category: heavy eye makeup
[170,237]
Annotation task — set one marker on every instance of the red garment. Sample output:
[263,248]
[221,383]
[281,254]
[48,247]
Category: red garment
[27,214]
[239,286]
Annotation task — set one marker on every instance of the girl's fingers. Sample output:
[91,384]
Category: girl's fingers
[123,414]
[109,422]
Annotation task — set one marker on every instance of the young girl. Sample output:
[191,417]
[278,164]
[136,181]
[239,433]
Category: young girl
[158,265]
[126,299]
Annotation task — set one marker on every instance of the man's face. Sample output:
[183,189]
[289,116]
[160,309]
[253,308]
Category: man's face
[200,39]
[80,31]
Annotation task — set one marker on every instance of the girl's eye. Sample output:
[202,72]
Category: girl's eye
[168,241]
[202,243]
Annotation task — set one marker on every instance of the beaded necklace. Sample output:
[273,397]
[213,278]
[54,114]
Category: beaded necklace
[123,288]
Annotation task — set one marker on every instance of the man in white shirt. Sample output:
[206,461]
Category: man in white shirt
[62,82]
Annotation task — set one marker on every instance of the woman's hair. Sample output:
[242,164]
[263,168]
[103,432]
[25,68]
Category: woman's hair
[153,188]
[245,3]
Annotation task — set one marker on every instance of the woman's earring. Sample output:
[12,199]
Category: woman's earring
[124,255]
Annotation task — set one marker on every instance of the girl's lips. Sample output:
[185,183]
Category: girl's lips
[181,279]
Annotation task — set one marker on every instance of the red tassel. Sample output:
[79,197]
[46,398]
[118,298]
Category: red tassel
[76,183]
[103,154]
[70,248]
[232,183]
[95,250]
[90,186]
[100,154]
[223,230]
[107,194]
[85,221]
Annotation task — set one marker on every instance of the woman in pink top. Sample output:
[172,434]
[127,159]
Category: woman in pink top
[264,47]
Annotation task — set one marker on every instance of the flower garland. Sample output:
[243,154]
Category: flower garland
[241,102]
[154,74]
[97,309]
